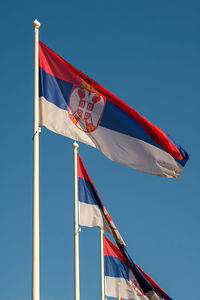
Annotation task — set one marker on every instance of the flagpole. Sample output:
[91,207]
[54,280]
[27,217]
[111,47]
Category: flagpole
[36,130]
[76,227]
[102,265]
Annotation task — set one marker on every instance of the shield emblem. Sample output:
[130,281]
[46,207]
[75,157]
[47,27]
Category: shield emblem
[85,108]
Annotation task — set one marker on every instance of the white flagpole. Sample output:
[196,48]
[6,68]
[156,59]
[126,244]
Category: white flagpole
[76,228]
[36,130]
[102,264]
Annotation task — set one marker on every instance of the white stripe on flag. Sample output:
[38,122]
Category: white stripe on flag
[90,215]
[57,120]
[117,146]
[120,287]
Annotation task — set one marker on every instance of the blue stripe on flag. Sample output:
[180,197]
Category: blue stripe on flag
[58,92]
[127,124]
[85,193]
[114,267]
[54,90]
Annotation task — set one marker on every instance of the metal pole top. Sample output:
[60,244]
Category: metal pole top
[36,24]
[75,145]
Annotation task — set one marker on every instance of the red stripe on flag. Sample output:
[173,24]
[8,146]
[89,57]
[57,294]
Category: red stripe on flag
[56,66]
[111,250]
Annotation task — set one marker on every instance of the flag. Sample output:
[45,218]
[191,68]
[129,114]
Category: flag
[74,105]
[148,285]
[92,212]
[122,280]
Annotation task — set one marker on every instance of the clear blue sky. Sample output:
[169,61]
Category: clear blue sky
[148,54]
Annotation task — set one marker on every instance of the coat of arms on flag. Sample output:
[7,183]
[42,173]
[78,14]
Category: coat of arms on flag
[86,108]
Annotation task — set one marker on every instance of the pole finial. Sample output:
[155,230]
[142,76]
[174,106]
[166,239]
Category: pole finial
[36,24]
[75,145]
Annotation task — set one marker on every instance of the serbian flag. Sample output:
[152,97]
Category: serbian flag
[91,209]
[74,105]
[122,280]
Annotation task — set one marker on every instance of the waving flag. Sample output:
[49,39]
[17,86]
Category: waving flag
[149,287]
[92,212]
[74,105]
[122,280]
